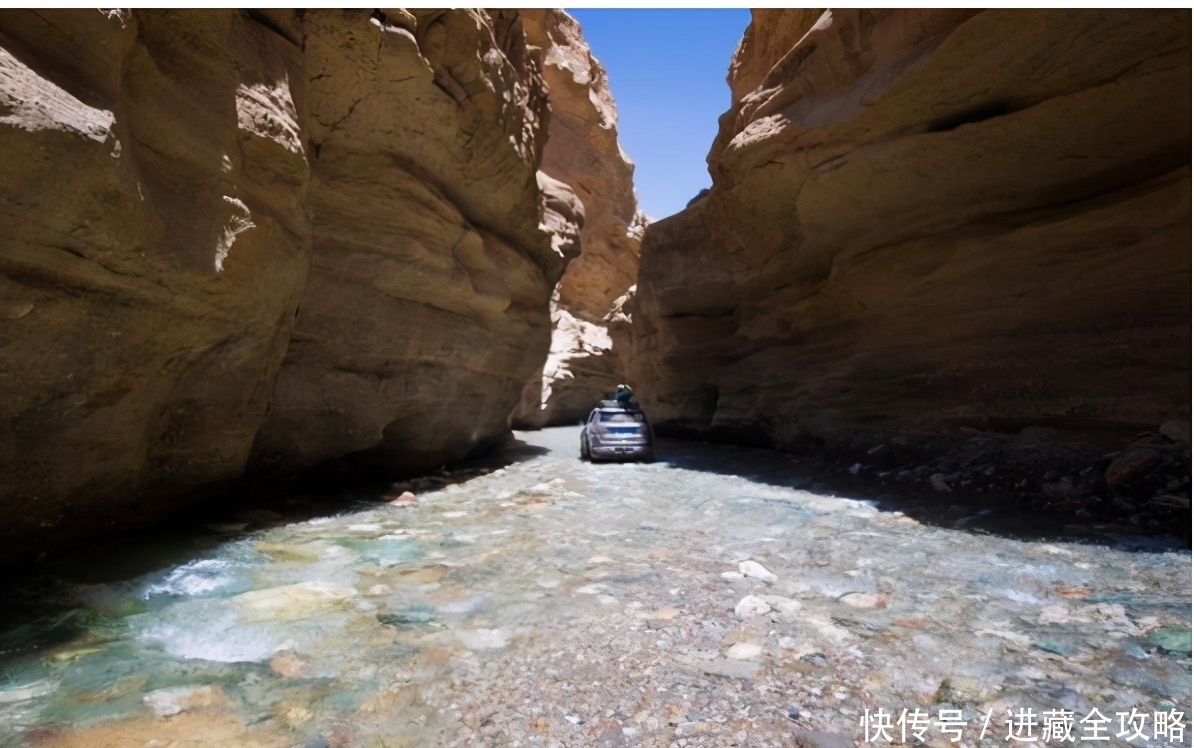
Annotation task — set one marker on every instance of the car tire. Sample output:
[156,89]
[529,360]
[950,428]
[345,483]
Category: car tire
[584,450]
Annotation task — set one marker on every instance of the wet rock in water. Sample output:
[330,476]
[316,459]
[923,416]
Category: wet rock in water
[1172,639]
[744,651]
[27,691]
[757,571]
[388,550]
[170,701]
[742,669]
[483,638]
[751,606]
[784,605]
[463,607]
[1053,646]
[1020,640]
[291,601]
[406,498]
[865,600]
[287,664]
[413,614]
[1131,465]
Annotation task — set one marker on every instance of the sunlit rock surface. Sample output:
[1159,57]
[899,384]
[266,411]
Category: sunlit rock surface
[926,227]
[582,151]
[265,241]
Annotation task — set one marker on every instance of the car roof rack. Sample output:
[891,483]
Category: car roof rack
[615,404]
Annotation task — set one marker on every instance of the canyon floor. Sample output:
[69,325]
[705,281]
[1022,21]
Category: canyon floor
[714,597]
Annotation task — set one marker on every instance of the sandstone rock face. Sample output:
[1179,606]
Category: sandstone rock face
[261,241]
[426,308]
[582,151]
[154,249]
[922,221]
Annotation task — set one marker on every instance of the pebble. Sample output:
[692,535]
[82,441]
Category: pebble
[482,638]
[744,651]
[785,605]
[1132,465]
[757,571]
[405,499]
[167,702]
[751,606]
[865,600]
[742,669]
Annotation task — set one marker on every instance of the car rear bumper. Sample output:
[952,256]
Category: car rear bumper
[621,451]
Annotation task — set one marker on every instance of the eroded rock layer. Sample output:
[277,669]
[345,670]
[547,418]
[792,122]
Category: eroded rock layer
[426,309]
[582,151]
[922,222]
[261,241]
[154,249]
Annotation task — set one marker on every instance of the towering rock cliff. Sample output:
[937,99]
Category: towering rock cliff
[155,248]
[931,225]
[426,308]
[590,329]
[261,240]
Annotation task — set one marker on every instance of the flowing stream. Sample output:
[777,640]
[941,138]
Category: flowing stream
[710,598]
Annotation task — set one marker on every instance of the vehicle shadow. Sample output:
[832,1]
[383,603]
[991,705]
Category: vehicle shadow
[974,513]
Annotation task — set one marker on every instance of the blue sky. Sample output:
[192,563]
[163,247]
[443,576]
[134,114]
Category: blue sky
[667,70]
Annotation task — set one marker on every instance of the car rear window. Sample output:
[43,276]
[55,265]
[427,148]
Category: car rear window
[621,417]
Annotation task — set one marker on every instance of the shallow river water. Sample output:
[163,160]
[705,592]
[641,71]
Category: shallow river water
[699,600]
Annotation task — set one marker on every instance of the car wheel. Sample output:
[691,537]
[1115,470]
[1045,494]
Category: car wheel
[584,450]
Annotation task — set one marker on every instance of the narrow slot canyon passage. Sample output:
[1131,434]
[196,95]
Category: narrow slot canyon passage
[316,328]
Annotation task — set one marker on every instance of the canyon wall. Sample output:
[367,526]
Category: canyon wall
[927,226]
[261,241]
[590,328]
[426,308]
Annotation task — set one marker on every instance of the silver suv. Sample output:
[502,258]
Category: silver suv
[615,432]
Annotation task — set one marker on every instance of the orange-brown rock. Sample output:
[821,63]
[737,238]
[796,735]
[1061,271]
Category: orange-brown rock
[154,249]
[582,151]
[426,308]
[928,220]
[261,240]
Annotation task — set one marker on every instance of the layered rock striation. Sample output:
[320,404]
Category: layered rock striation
[262,241]
[590,334]
[155,248]
[426,308]
[927,226]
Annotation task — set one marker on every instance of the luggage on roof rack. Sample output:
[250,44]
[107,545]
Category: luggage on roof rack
[615,404]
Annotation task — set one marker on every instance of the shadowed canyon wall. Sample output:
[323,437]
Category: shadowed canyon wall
[262,241]
[926,226]
[590,328]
